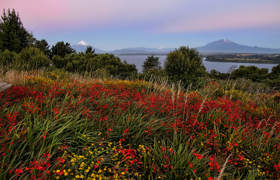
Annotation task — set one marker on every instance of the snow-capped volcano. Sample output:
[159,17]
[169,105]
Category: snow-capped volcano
[82,46]
[82,43]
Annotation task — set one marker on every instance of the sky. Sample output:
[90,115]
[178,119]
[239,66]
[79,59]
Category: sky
[115,24]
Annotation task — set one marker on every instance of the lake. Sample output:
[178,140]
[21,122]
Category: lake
[223,67]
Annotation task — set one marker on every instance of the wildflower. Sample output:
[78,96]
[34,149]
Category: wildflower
[18,171]
[191,165]
[199,156]
[125,131]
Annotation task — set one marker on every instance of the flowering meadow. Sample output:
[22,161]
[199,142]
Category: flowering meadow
[55,127]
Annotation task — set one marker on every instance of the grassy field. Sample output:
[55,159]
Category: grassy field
[61,126]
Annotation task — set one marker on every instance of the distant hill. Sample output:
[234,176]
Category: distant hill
[220,46]
[227,46]
[82,46]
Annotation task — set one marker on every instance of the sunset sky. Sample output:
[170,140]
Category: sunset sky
[113,24]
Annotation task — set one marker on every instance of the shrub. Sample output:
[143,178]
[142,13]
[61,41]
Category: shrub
[33,58]
[7,58]
[275,73]
[250,72]
[151,63]
[59,62]
[185,65]
[112,64]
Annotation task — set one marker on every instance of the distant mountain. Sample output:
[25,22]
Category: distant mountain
[227,46]
[220,46]
[82,46]
[142,50]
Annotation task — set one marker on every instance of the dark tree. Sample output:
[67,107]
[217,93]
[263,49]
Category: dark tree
[43,46]
[13,36]
[61,49]
[151,63]
[185,65]
[90,50]
[276,70]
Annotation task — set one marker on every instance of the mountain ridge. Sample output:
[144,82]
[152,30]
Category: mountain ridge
[227,46]
[220,46]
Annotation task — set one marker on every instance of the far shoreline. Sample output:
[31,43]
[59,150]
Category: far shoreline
[244,61]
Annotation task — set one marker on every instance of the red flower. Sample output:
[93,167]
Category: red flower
[56,110]
[18,172]
[125,131]
[199,156]
[191,165]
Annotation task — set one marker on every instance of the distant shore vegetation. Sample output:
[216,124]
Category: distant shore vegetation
[245,58]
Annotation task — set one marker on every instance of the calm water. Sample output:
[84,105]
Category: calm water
[224,67]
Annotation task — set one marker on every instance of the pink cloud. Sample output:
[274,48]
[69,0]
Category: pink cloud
[60,13]
[168,15]
[244,17]
[38,13]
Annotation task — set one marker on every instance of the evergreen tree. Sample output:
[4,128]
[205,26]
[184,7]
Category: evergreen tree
[43,46]
[151,63]
[61,49]
[13,36]
[90,50]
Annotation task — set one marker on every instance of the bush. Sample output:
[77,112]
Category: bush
[250,72]
[59,62]
[185,65]
[7,58]
[151,63]
[112,65]
[89,63]
[275,73]
[218,75]
[33,58]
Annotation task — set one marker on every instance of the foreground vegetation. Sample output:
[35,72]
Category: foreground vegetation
[58,125]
